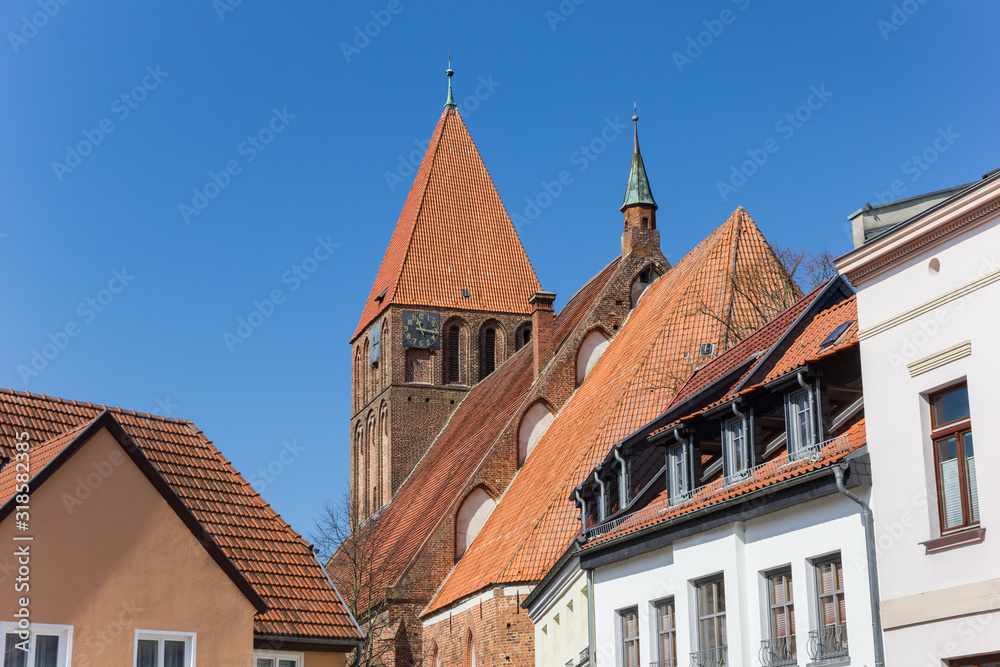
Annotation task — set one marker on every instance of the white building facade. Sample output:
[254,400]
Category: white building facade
[928,293]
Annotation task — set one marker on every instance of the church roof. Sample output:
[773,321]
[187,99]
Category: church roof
[637,190]
[276,561]
[632,383]
[452,234]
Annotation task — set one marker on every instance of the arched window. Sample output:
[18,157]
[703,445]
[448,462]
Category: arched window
[366,371]
[591,349]
[645,278]
[435,655]
[452,344]
[360,476]
[533,425]
[356,376]
[471,516]
[522,336]
[491,344]
[472,651]
[383,452]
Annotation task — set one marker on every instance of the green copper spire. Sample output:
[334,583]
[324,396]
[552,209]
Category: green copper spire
[637,190]
[450,104]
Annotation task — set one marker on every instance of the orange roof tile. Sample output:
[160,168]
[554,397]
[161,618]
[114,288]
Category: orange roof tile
[442,475]
[276,561]
[631,384]
[453,233]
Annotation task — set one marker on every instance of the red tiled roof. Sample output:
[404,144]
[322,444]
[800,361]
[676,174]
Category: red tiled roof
[453,234]
[631,384]
[441,476]
[807,346]
[276,561]
[774,471]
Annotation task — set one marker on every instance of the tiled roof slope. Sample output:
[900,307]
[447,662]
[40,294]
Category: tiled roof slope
[276,561]
[773,472]
[441,476]
[453,233]
[630,385]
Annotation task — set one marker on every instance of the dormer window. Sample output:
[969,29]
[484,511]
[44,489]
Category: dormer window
[735,448]
[799,422]
[680,476]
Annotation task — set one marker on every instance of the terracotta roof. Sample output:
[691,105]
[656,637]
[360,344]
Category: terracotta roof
[630,385]
[807,346]
[276,561]
[453,234]
[776,470]
[441,477]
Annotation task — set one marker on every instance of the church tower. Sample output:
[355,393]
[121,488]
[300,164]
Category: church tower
[449,305]
[639,208]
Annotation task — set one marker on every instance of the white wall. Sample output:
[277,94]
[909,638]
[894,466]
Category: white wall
[561,631]
[898,424]
[741,552]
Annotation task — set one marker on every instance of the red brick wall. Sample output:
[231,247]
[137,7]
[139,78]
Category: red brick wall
[501,632]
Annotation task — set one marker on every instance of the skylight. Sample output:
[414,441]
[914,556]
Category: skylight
[836,334]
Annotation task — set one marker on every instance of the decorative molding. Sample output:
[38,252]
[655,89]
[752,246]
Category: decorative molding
[946,356]
[925,241]
[980,597]
[928,306]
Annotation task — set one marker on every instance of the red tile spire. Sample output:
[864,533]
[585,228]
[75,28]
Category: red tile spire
[453,234]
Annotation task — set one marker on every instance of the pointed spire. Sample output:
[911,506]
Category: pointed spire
[637,190]
[450,104]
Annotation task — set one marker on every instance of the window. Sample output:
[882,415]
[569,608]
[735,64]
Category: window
[954,460]
[712,623]
[799,419]
[780,648]
[488,363]
[452,356]
[736,448]
[630,637]
[164,649]
[830,640]
[522,336]
[666,630]
[47,645]
[679,466]
[590,351]
[278,659]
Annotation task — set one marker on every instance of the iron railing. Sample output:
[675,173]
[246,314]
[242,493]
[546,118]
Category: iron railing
[663,663]
[710,657]
[778,652]
[829,643]
[761,473]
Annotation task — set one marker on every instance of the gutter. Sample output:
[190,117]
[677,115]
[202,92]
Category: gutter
[868,519]
[591,624]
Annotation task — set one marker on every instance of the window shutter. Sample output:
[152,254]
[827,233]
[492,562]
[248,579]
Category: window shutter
[489,352]
[453,342]
[375,343]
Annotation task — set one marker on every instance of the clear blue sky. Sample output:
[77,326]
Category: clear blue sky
[552,86]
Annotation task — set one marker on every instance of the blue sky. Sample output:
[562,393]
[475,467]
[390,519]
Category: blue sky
[166,165]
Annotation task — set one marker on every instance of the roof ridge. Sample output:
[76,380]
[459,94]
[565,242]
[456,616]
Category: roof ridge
[96,406]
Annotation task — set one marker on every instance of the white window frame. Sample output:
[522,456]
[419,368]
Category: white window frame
[190,639]
[64,632]
[680,477]
[735,436]
[300,658]
[797,419]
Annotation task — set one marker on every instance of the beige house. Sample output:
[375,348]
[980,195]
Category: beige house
[128,539]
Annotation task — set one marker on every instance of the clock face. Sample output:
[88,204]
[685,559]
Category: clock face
[421,330]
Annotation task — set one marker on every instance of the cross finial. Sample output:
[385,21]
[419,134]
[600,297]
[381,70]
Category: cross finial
[450,104]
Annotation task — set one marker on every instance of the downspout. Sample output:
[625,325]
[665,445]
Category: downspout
[583,512]
[601,511]
[591,623]
[622,482]
[869,522]
[812,408]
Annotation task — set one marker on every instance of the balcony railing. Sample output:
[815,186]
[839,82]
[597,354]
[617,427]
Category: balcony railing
[778,652]
[829,643]
[711,657]
[663,663]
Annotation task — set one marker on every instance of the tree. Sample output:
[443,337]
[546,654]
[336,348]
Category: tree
[357,561]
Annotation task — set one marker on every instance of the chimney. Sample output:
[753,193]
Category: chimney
[542,315]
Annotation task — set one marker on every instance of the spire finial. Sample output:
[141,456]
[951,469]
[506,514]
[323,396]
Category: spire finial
[450,104]
[635,119]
